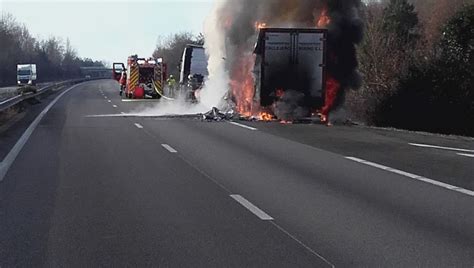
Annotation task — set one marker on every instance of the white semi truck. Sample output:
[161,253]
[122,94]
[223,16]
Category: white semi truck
[26,74]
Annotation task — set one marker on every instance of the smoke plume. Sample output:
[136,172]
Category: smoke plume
[231,33]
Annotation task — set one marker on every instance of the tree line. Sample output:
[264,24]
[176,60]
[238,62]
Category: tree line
[417,61]
[55,59]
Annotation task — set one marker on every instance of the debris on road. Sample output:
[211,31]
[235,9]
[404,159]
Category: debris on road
[216,115]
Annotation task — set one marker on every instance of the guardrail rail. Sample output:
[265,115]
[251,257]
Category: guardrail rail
[8,103]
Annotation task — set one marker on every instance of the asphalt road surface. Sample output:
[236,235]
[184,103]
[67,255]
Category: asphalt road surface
[177,192]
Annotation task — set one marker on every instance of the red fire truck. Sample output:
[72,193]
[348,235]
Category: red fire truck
[142,79]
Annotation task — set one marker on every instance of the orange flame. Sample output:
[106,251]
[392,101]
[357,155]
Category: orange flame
[242,84]
[332,89]
[260,25]
[324,19]
[265,116]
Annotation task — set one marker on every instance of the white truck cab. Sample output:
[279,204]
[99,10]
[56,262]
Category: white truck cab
[26,74]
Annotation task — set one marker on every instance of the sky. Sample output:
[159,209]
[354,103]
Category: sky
[109,30]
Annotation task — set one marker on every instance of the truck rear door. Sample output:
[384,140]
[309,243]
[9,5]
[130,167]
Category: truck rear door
[277,64]
[310,61]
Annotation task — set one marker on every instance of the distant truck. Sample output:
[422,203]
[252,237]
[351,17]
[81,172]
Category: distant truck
[290,60]
[26,74]
[26,78]
[193,63]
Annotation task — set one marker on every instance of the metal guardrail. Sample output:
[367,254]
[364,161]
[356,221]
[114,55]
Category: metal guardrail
[8,103]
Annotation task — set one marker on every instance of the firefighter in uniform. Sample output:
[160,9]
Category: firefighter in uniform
[123,82]
[171,85]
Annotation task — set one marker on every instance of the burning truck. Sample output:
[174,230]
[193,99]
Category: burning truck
[303,63]
[289,72]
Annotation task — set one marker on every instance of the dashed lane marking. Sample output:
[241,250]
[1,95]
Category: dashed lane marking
[242,125]
[254,209]
[138,125]
[169,148]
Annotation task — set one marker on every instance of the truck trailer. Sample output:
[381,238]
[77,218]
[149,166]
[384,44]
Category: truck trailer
[290,60]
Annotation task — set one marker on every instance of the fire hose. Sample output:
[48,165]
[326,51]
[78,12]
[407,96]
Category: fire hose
[161,94]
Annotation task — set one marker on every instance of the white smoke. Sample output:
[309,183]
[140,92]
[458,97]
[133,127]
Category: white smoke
[163,107]
[217,84]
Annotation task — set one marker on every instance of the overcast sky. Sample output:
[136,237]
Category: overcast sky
[106,29]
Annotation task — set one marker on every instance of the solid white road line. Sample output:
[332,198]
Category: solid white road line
[303,244]
[242,125]
[255,210]
[467,155]
[115,106]
[138,125]
[169,148]
[139,100]
[413,176]
[441,147]
[11,156]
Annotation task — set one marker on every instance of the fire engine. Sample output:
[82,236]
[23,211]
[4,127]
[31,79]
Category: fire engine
[142,79]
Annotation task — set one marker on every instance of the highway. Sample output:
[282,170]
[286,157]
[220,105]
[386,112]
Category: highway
[89,190]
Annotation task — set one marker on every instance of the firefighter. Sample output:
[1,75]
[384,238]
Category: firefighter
[171,85]
[123,82]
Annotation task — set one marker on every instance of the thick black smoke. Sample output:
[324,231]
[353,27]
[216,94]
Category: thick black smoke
[237,21]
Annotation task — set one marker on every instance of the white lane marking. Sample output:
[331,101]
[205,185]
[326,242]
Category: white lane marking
[242,125]
[467,155]
[255,210]
[139,100]
[105,97]
[169,148]
[11,156]
[441,147]
[138,125]
[109,101]
[115,106]
[413,176]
